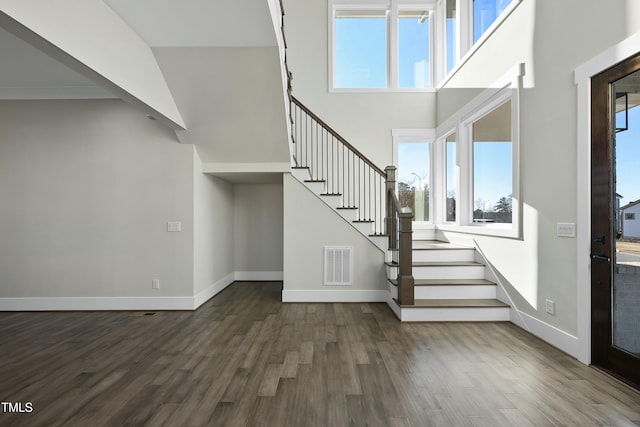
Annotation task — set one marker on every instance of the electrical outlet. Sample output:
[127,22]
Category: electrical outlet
[551,307]
[174,226]
[155,283]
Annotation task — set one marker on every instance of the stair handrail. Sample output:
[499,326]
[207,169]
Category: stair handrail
[399,225]
[398,221]
[342,140]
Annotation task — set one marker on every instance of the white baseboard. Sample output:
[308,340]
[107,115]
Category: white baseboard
[258,275]
[205,295]
[334,295]
[546,332]
[96,303]
[133,303]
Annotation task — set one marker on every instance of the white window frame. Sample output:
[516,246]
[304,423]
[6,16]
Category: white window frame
[505,89]
[440,172]
[393,6]
[418,136]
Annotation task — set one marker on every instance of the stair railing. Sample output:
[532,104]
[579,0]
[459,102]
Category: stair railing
[364,187]
[344,170]
[399,223]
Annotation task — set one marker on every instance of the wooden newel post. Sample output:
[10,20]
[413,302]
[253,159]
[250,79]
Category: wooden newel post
[405,269]
[389,216]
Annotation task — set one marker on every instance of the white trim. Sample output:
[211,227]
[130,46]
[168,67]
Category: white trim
[265,276]
[245,167]
[208,293]
[552,335]
[96,303]
[55,92]
[323,295]
[135,303]
[582,77]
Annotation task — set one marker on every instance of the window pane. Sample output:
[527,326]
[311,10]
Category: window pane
[451,177]
[492,166]
[484,13]
[413,178]
[413,49]
[360,49]
[451,34]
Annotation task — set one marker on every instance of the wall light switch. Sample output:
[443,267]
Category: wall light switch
[174,226]
[566,229]
[155,283]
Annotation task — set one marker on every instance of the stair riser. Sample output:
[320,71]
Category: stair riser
[301,174]
[466,272]
[365,228]
[423,234]
[316,187]
[455,292]
[444,255]
[466,314]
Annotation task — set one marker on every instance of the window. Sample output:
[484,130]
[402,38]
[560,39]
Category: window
[477,173]
[485,12]
[414,178]
[361,49]
[450,40]
[381,44]
[630,216]
[406,45]
[414,46]
[493,167]
[450,178]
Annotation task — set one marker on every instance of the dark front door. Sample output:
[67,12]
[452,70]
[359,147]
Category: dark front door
[615,220]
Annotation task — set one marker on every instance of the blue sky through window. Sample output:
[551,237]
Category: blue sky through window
[414,40]
[361,52]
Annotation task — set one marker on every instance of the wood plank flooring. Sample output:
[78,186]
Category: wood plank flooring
[244,358]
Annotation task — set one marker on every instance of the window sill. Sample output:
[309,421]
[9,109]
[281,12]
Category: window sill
[381,90]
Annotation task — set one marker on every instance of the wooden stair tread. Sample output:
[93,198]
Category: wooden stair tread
[447,282]
[455,303]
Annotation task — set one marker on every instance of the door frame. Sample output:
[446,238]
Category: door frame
[582,78]
[603,353]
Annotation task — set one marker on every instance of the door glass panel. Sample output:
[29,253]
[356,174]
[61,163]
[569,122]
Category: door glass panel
[413,178]
[626,274]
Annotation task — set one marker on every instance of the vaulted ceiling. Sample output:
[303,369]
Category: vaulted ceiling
[28,73]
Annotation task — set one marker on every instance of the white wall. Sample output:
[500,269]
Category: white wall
[86,190]
[541,265]
[92,38]
[309,225]
[231,100]
[364,119]
[213,231]
[258,229]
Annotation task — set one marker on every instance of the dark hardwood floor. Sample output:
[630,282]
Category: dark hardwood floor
[244,358]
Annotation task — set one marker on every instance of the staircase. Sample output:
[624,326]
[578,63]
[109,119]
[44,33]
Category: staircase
[450,285]
[429,279]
